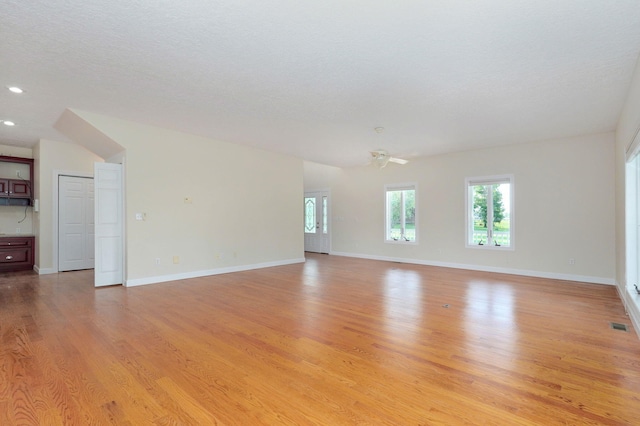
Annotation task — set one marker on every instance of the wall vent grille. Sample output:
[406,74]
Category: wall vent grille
[618,326]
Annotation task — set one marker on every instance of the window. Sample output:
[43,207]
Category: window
[400,213]
[310,215]
[490,214]
[324,214]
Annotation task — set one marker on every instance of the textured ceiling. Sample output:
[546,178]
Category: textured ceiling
[313,79]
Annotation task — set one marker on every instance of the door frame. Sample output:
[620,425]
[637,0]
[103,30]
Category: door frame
[99,275]
[326,191]
[626,290]
[59,206]
[55,211]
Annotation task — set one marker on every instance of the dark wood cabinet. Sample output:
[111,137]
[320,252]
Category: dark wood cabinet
[16,253]
[19,188]
[16,188]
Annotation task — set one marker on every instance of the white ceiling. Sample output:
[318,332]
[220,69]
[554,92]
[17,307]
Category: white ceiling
[313,78]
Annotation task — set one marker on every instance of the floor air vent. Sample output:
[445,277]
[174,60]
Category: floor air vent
[618,326]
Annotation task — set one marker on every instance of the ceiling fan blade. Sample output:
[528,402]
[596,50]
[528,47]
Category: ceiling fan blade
[398,160]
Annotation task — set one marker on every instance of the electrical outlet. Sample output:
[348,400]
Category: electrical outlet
[572,261]
[17,173]
[17,230]
[157,260]
[176,259]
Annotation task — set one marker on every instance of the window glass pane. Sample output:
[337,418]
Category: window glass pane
[310,215]
[401,215]
[479,232]
[395,214]
[324,214]
[501,215]
[490,215]
[409,198]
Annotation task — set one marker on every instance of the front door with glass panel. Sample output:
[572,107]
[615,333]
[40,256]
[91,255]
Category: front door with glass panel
[316,223]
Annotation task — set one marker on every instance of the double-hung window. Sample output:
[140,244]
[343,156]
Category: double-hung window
[490,213]
[401,213]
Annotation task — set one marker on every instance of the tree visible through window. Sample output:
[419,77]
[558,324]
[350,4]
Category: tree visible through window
[490,212]
[400,224]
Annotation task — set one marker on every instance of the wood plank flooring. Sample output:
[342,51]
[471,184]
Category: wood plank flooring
[334,341]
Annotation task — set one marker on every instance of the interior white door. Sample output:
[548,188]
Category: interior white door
[75,223]
[109,268]
[316,222]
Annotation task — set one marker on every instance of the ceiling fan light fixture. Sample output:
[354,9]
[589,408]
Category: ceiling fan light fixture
[381,158]
[381,161]
[398,160]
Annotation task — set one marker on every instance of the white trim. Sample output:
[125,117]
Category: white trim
[631,304]
[123,159]
[401,187]
[490,180]
[54,213]
[208,272]
[496,269]
[634,146]
[44,271]
[632,245]
[327,193]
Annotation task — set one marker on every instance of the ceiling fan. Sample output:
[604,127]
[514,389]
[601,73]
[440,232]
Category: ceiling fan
[381,158]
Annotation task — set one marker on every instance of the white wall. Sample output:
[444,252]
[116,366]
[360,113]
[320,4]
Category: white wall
[319,176]
[564,208]
[245,209]
[16,151]
[49,157]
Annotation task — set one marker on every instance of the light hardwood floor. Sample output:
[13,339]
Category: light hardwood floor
[334,341]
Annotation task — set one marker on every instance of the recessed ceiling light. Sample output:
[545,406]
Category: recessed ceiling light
[15,89]
[9,123]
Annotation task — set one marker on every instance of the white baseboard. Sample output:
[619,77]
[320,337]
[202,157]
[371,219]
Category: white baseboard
[523,272]
[631,303]
[204,273]
[44,271]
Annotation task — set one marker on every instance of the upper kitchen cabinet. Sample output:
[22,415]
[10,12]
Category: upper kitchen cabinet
[16,181]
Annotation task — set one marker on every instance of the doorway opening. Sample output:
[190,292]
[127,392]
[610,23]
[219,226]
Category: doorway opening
[632,232]
[76,230]
[317,229]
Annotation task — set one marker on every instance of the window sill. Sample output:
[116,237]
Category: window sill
[488,247]
[411,243]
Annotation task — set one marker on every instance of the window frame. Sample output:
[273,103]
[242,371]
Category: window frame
[469,219]
[400,187]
